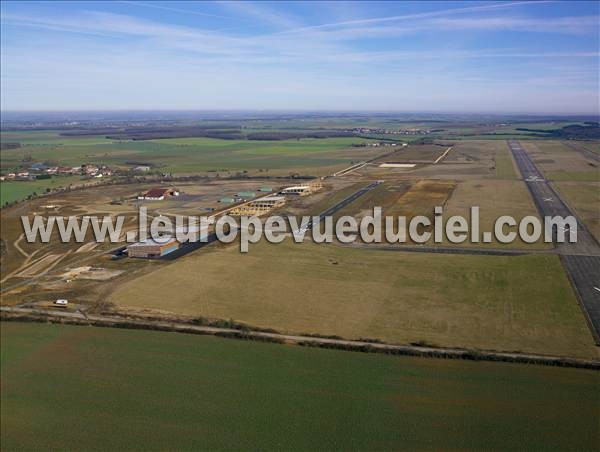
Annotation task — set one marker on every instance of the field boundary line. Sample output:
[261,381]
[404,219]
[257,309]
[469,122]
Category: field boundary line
[37,315]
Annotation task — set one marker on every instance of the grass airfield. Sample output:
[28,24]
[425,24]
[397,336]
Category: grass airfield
[510,303]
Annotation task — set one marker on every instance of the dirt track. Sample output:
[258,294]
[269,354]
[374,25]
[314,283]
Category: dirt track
[10,313]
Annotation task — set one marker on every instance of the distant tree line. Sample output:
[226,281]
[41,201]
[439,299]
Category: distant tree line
[591,130]
[222,131]
[275,136]
[9,145]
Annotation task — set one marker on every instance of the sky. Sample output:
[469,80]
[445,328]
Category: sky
[536,57]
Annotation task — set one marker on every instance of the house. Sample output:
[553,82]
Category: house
[65,170]
[90,169]
[142,169]
[158,194]
[38,167]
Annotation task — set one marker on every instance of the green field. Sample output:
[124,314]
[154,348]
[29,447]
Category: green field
[85,388]
[19,190]
[187,155]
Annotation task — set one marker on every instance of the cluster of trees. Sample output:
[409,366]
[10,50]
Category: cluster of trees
[223,131]
[591,130]
[9,145]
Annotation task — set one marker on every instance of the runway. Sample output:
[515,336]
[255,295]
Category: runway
[581,260]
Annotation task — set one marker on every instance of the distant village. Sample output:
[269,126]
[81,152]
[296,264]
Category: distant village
[364,130]
[44,171]
[378,144]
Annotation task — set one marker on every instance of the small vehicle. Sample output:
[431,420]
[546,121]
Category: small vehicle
[62,303]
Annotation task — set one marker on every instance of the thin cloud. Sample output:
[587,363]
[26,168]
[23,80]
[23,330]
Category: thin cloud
[578,25]
[177,10]
[180,63]
[262,13]
[445,12]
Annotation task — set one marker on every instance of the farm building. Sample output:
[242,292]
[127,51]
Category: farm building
[260,206]
[151,249]
[158,194]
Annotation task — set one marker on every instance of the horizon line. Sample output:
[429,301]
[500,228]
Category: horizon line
[307,110]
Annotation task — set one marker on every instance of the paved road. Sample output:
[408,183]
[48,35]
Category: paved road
[117,321]
[340,205]
[581,260]
[549,203]
[344,202]
[188,247]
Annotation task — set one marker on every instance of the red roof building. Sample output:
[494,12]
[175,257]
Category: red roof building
[158,194]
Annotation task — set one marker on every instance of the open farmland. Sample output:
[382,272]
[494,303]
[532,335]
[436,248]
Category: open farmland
[191,155]
[91,384]
[19,190]
[489,302]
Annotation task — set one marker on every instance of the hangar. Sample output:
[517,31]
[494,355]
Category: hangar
[151,249]
[158,194]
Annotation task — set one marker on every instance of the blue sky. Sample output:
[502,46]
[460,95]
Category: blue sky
[505,57]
